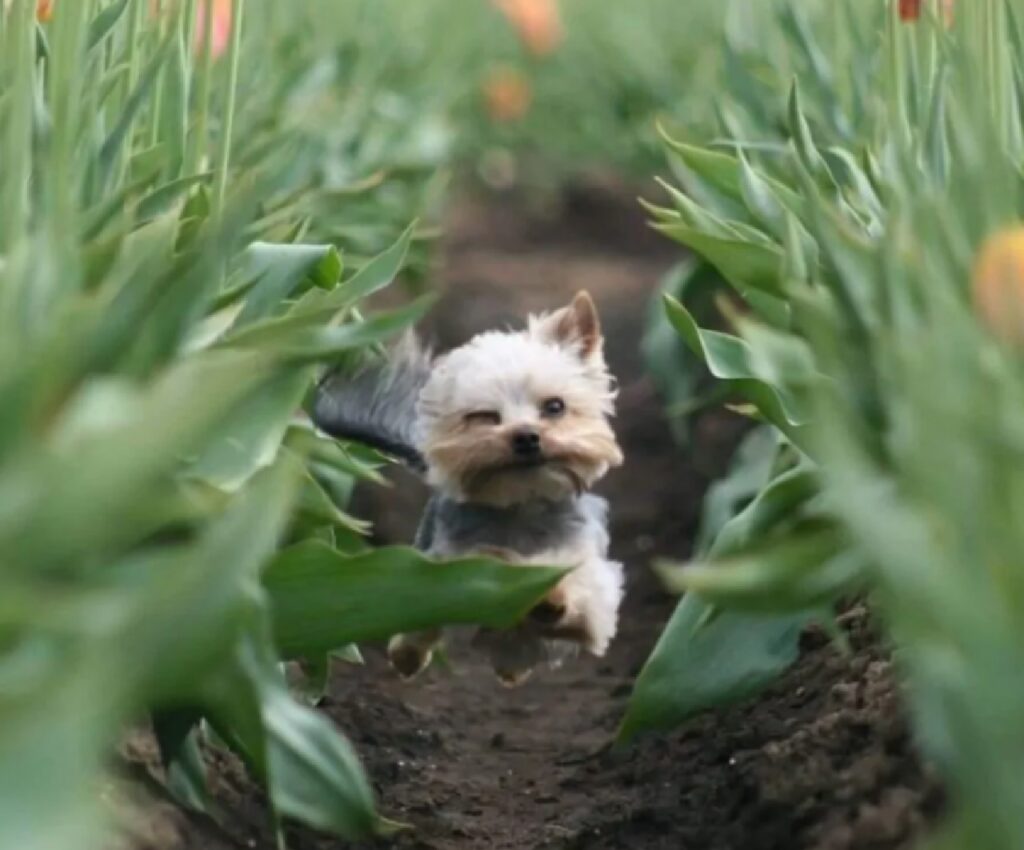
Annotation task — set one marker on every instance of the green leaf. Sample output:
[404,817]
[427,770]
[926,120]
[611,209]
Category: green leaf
[723,172]
[310,769]
[53,750]
[111,146]
[675,369]
[104,22]
[216,581]
[380,271]
[177,734]
[314,774]
[322,600]
[692,215]
[349,458]
[742,262]
[293,339]
[934,142]
[697,665]
[803,141]
[850,255]
[278,270]
[173,101]
[308,679]
[250,438]
[719,169]
[318,508]
[776,503]
[805,569]
[159,200]
[749,472]
[781,359]
[728,358]
[97,489]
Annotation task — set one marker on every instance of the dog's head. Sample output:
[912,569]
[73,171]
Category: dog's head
[511,417]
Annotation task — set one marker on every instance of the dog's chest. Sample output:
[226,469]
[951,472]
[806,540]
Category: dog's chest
[454,528]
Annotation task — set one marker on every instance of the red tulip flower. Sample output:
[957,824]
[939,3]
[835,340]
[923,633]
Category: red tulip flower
[910,10]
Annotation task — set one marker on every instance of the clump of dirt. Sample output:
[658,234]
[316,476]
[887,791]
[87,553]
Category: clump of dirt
[822,760]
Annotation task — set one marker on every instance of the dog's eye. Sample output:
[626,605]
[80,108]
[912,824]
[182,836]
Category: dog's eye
[482,417]
[552,408]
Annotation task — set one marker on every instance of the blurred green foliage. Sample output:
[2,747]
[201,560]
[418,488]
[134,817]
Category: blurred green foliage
[186,238]
[846,218]
[186,235]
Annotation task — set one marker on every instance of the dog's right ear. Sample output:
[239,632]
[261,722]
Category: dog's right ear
[575,326]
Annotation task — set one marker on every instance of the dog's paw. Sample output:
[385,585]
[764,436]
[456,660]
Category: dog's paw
[409,658]
[513,653]
[513,678]
[582,609]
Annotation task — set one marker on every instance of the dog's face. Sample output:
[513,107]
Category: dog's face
[511,417]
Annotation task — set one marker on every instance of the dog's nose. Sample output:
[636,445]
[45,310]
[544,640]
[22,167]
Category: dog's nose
[526,443]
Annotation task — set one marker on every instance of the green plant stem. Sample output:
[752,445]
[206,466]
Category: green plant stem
[198,139]
[158,89]
[133,55]
[897,91]
[60,84]
[19,65]
[190,17]
[230,95]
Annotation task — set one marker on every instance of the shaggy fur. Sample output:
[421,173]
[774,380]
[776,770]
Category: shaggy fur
[511,430]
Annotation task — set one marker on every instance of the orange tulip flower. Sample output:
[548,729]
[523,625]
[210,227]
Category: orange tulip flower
[507,95]
[44,9]
[537,23]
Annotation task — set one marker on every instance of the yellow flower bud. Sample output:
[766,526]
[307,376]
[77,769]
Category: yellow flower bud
[997,285]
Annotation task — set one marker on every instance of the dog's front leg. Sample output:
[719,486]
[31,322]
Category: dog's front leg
[410,654]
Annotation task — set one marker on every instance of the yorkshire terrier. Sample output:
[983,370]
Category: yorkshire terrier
[510,431]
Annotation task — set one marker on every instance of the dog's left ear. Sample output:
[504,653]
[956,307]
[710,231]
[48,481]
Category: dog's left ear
[575,326]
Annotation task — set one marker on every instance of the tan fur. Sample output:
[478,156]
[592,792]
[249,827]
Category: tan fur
[476,399]
[559,355]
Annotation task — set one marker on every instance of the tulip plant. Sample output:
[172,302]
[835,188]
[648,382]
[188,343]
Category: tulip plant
[873,256]
[172,525]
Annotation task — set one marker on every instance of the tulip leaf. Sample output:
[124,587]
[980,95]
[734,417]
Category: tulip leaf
[702,662]
[729,359]
[744,263]
[322,600]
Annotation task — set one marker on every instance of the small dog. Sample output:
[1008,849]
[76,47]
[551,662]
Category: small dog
[510,431]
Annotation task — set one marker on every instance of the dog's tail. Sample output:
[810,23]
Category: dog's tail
[376,405]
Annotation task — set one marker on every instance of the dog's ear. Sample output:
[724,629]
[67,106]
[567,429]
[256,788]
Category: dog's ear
[575,326]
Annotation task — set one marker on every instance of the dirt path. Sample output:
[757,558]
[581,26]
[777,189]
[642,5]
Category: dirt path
[824,760]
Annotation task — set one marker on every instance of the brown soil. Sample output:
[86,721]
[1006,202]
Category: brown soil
[823,760]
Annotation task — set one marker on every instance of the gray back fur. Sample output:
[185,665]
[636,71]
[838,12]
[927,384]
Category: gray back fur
[451,528]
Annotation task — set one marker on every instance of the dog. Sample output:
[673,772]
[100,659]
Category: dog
[511,431]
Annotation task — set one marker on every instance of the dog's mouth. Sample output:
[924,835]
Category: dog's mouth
[528,462]
[527,466]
